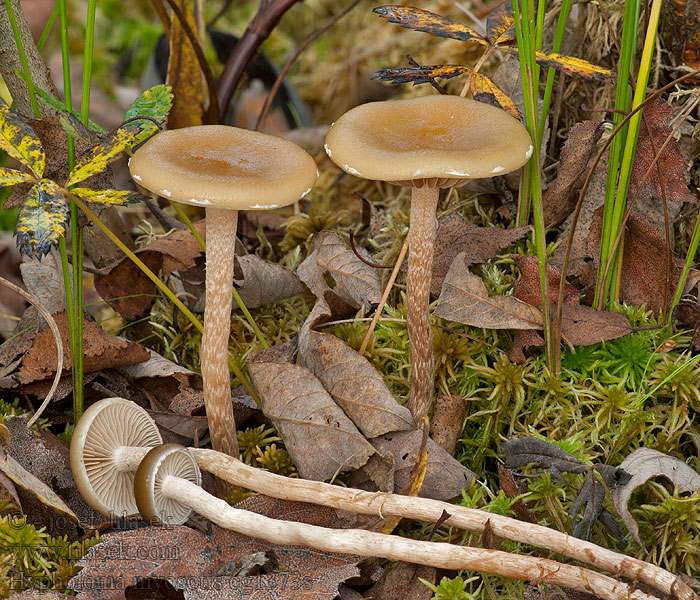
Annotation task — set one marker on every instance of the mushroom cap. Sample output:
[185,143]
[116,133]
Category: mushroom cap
[224,167]
[104,428]
[430,137]
[168,459]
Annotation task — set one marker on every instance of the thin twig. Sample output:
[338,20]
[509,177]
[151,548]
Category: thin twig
[364,260]
[385,295]
[260,125]
[56,336]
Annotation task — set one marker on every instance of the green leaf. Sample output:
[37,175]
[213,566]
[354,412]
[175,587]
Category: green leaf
[42,220]
[102,155]
[18,139]
[428,22]
[423,74]
[111,197]
[154,103]
[10,177]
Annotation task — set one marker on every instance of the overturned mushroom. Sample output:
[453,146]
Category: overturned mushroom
[108,443]
[426,143]
[224,169]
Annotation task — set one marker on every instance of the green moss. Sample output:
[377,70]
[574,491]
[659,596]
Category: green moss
[29,557]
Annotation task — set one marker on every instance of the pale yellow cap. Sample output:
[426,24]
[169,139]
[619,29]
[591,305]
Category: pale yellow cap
[422,138]
[224,167]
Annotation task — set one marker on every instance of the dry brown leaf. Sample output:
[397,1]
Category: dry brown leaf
[133,289]
[201,566]
[354,282]
[29,483]
[101,351]
[580,325]
[465,299]
[658,115]
[561,195]
[445,477]
[447,421]
[319,436]
[643,464]
[184,73]
[479,244]
[356,386]
[645,277]
[584,326]
[46,457]
[403,581]
[262,281]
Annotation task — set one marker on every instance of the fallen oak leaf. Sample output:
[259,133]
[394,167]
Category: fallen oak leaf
[356,283]
[644,464]
[445,477]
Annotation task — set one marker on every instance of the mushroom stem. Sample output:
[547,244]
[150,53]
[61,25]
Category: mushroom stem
[426,509]
[368,543]
[421,240]
[127,458]
[221,244]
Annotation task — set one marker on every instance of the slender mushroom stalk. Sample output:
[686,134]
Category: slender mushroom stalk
[421,241]
[224,169]
[427,143]
[167,488]
[216,380]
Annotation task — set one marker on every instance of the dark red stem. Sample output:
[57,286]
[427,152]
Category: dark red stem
[266,18]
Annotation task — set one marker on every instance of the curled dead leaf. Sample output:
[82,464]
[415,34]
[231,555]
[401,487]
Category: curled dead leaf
[644,464]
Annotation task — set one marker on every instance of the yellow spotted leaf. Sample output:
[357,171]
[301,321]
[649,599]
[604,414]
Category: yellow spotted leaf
[500,25]
[42,220]
[10,177]
[574,66]
[184,73]
[111,197]
[568,64]
[417,75]
[18,139]
[100,156]
[485,90]
[428,22]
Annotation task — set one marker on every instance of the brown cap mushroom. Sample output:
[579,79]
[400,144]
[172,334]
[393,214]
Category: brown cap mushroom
[224,169]
[426,143]
[107,445]
[168,460]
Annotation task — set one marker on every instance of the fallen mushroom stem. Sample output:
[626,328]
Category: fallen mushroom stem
[369,543]
[425,509]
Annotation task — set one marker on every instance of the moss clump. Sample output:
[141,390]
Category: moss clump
[31,558]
